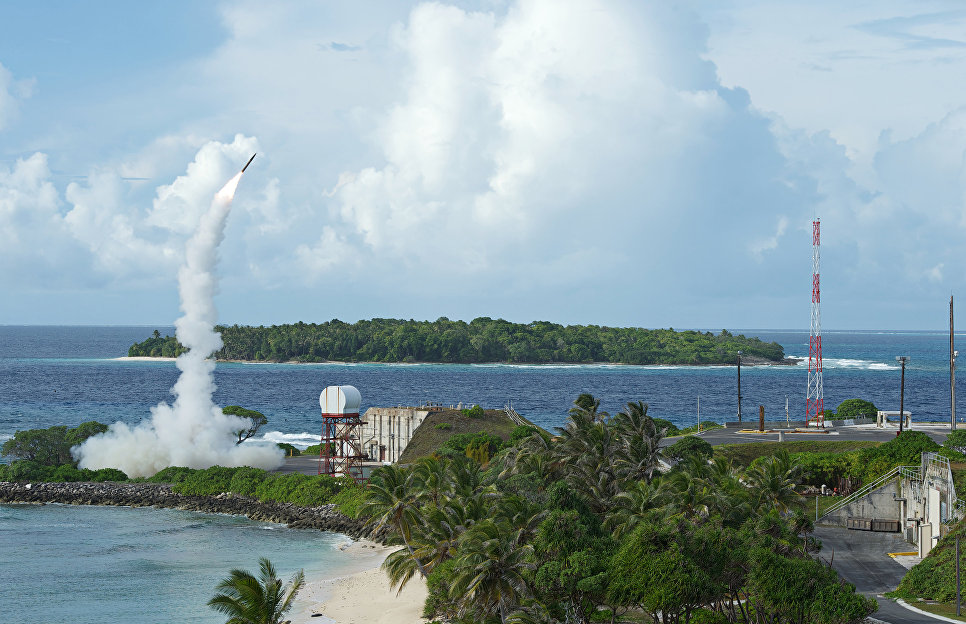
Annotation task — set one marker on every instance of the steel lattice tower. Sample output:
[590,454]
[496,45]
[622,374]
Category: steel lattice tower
[814,397]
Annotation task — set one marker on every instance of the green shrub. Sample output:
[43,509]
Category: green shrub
[26,471]
[672,429]
[438,603]
[349,499]
[904,449]
[458,444]
[300,489]
[707,616]
[67,473]
[474,412]
[315,450]
[245,481]
[856,408]
[690,446]
[443,426]
[522,432]
[956,441]
[51,446]
[214,480]
[290,451]
[826,468]
[172,474]
[108,474]
[934,578]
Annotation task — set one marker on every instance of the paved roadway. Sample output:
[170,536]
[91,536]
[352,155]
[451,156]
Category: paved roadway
[861,557]
[859,432]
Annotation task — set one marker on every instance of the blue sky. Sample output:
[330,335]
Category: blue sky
[619,163]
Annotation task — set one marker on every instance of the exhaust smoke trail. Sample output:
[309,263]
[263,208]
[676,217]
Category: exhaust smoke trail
[193,431]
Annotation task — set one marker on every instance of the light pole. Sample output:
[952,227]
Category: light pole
[739,386]
[902,359]
[952,389]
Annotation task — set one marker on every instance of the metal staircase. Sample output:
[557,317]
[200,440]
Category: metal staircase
[854,496]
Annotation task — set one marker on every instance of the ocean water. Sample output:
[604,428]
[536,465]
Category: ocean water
[67,375]
[96,564]
[89,565]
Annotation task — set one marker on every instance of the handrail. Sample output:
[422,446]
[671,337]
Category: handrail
[851,498]
[513,415]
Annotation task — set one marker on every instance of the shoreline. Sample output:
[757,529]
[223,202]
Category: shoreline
[749,362]
[362,596]
[323,518]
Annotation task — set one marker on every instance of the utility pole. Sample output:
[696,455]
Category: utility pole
[699,413]
[739,387]
[902,390]
[952,369]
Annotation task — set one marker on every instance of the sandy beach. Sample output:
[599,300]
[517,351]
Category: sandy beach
[363,597]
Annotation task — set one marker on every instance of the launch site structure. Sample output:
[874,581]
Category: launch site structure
[340,451]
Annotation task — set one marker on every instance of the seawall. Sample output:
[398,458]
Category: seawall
[323,518]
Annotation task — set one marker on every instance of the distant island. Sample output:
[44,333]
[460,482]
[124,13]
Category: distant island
[483,340]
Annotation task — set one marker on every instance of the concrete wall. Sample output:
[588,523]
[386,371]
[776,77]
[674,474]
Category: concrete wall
[881,503]
[388,431]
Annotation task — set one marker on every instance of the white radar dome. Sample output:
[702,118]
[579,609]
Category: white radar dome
[340,400]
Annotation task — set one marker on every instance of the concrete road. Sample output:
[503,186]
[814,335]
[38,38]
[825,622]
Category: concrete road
[861,558]
[860,432]
[306,464]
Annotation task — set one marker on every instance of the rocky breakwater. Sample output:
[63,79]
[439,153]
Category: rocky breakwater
[323,518]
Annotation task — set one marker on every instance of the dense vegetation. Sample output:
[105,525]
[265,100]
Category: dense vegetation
[51,446]
[585,528]
[482,340]
[934,578]
[443,425]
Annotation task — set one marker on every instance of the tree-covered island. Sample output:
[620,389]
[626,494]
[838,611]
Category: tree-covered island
[481,340]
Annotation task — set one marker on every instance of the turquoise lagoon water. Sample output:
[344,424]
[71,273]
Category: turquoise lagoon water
[89,565]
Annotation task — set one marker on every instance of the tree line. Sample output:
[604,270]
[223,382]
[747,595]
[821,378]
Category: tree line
[481,340]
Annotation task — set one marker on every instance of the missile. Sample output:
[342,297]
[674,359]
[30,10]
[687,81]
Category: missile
[249,162]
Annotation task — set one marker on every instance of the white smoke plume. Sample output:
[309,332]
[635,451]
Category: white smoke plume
[193,431]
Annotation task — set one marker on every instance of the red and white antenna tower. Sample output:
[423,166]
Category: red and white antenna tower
[814,398]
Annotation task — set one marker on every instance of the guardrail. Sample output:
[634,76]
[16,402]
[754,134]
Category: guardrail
[854,496]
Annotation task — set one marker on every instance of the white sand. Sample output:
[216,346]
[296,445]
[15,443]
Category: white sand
[363,597]
[145,359]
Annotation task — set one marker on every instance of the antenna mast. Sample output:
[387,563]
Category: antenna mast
[814,397]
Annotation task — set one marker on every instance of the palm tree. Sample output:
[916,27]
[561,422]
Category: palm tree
[392,499]
[641,442]
[249,600]
[632,506]
[489,575]
[773,482]
[431,474]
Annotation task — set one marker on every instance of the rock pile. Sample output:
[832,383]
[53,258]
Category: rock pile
[324,518]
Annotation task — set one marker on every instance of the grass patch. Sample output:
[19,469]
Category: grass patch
[429,437]
[705,426]
[945,609]
[744,454]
